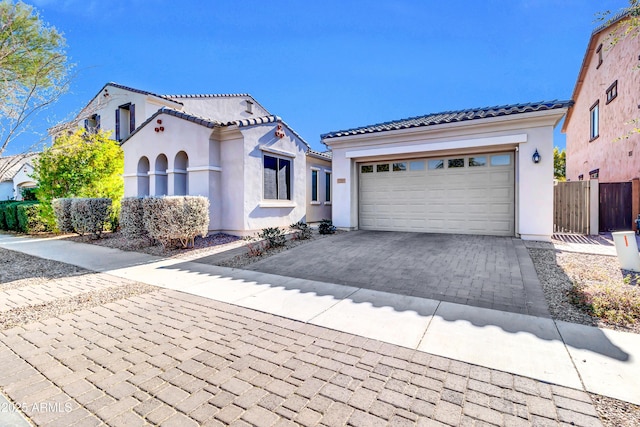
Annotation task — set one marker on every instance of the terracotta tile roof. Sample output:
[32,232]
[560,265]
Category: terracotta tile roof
[451,117]
[327,155]
[210,123]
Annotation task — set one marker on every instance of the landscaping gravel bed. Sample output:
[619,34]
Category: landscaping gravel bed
[18,270]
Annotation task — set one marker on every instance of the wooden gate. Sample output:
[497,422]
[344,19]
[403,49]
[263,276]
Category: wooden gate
[615,206]
[571,207]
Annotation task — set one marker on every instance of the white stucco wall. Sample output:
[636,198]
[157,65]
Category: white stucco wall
[6,190]
[22,179]
[221,108]
[524,132]
[258,212]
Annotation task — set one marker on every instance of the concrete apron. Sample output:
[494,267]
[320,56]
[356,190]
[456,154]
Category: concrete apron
[597,360]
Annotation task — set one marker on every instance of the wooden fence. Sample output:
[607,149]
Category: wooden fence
[571,207]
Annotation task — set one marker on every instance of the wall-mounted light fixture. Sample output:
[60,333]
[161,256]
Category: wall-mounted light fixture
[536,157]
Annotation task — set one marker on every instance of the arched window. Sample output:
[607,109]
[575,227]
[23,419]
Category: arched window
[180,174]
[161,175]
[143,177]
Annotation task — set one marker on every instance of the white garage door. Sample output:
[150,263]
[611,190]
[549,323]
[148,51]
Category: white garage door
[472,194]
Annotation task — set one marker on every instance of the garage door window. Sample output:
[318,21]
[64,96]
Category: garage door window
[416,166]
[436,164]
[399,167]
[382,168]
[456,163]
[501,160]
[477,161]
[366,169]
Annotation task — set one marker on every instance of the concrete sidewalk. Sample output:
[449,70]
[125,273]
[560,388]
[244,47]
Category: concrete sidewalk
[582,357]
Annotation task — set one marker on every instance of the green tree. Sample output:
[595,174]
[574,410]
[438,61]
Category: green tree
[81,164]
[33,69]
[559,164]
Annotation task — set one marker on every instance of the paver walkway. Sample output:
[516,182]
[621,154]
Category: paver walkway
[482,271]
[174,359]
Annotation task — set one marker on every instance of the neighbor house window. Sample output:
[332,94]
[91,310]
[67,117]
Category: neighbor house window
[599,52]
[327,187]
[92,124]
[249,108]
[277,178]
[594,126]
[125,121]
[594,174]
[612,92]
[314,185]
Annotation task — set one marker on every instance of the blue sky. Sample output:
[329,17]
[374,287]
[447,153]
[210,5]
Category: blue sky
[328,65]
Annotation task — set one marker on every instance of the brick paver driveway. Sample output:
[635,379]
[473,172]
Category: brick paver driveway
[174,359]
[483,271]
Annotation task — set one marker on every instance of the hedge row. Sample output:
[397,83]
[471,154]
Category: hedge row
[169,220]
[21,216]
[83,216]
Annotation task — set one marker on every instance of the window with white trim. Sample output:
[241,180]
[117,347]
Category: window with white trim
[327,187]
[594,121]
[314,185]
[277,178]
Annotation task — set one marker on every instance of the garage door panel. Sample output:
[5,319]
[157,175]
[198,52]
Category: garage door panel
[467,200]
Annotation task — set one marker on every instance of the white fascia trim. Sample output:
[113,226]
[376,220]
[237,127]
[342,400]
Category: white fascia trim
[278,152]
[435,146]
[313,168]
[276,204]
[180,171]
[204,168]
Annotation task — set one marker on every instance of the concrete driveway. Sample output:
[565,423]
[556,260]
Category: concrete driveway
[482,271]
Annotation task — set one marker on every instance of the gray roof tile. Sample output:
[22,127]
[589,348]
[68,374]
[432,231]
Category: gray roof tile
[451,117]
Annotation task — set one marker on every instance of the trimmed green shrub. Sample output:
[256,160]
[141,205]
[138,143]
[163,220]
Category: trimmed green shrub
[132,218]
[11,216]
[90,215]
[273,236]
[29,220]
[175,219]
[62,212]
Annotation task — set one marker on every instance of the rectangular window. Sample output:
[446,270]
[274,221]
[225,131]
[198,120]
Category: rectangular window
[366,169]
[382,168]
[277,178]
[599,52]
[612,92]
[435,164]
[501,160]
[249,108]
[594,174]
[456,163]
[125,121]
[416,166]
[580,177]
[327,187]
[314,186]
[477,161]
[92,124]
[399,167]
[594,127]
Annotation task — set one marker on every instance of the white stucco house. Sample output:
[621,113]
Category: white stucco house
[251,165]
[15,176]
[486,171]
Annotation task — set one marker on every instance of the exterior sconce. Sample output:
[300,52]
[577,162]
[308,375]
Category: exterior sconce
[536,157]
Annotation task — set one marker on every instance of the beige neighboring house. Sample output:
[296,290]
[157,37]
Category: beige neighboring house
[15,175]
[319,186]
[606,99]
[251,164]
